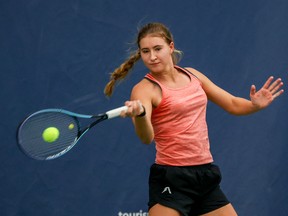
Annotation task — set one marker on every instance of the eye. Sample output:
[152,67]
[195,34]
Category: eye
[158,48]
[144,51]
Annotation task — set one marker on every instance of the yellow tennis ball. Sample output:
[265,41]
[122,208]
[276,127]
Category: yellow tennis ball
[71,126]
[50,134]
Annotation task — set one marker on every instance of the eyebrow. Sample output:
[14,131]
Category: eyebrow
[152,47]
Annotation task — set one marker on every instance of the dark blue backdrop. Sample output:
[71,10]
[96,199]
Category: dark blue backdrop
[60,53]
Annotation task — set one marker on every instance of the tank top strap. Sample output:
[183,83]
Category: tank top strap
[187,72]
[184,70]
[152,79]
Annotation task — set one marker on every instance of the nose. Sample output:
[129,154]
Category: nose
[153,57]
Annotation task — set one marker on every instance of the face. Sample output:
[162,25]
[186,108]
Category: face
[156,53]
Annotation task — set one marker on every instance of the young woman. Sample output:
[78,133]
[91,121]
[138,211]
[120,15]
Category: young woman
[169,107]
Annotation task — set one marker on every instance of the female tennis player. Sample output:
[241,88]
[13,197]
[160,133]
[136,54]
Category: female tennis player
[169,106]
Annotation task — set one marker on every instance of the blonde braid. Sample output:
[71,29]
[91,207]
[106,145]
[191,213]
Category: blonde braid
[153,29]
[121,72]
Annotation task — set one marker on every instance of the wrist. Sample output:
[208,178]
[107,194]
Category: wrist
[143,113]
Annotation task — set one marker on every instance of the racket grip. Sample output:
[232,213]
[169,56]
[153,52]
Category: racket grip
[116,112]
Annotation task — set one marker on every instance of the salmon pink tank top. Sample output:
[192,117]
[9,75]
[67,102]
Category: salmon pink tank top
[179,123]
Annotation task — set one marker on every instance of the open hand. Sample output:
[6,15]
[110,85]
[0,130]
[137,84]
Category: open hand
[270,90]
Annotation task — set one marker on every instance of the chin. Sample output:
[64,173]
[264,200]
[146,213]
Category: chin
[156,69]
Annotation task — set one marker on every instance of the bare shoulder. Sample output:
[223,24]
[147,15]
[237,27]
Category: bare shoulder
[146,90]
[145,86]
[209,87]
[198,74]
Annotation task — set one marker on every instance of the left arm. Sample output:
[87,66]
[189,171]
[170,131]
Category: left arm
[239,106]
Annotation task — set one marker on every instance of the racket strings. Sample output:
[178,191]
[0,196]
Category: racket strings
[31,138]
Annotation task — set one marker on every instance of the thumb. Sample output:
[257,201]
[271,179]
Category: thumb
[252,90]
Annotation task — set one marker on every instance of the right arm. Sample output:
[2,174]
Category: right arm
[142,94]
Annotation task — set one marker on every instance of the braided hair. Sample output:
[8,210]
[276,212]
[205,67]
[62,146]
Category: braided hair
[153,29]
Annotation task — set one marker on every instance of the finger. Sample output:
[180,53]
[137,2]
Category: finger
[128,103]
[275,84]
[129,111]
[268,82]
[278,94]
[140,107]
[277,87]
[253,90]
[133,108]
[123,114]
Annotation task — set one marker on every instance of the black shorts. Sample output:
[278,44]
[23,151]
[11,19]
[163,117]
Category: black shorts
[191,190]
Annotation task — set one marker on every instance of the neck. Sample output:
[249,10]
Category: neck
[172,78]
[169,73]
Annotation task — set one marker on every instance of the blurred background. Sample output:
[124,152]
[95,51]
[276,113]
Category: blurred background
[59,54]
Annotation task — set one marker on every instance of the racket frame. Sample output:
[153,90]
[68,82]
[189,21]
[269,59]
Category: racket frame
[99,118]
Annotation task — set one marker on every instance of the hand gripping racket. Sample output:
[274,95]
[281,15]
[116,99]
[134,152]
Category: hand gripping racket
[50,133]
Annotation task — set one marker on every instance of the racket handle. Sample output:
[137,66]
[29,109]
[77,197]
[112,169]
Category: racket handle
[116,112]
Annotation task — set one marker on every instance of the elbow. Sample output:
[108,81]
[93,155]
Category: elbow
[145,135]
[241,107]
[146,139]
[234,112]
[239,111]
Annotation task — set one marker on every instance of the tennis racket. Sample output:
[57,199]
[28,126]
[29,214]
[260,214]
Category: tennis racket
[50,133]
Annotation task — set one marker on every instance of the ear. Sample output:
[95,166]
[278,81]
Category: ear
[171,45]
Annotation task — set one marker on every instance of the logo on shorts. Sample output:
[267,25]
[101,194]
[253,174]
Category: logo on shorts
[167,189]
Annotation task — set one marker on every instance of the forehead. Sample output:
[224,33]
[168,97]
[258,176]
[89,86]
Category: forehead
[151,41]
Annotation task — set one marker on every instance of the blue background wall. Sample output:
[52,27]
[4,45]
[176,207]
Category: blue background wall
[60,53]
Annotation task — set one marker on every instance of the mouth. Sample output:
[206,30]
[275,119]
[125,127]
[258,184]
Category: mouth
[154,64]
